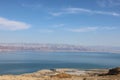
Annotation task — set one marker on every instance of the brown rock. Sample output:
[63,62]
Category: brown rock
[114,71]
[62,75]
[88,79]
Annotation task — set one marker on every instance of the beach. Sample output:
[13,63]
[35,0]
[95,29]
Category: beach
[66,74]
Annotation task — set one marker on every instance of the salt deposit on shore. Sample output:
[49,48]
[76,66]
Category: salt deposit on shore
[65,74]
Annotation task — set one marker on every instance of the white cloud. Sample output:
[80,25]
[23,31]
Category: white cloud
[76,10]
[33,6]
[86,29]
[83,10]
[6,24]
[107,13]
[56,13]
[101,3]
[45,30]
[90,29]
[58,25]
[108,3]
[108,28]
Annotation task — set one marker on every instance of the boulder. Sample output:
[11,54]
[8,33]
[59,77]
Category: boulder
[114,71]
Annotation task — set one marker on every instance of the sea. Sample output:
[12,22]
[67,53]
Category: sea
[31,61]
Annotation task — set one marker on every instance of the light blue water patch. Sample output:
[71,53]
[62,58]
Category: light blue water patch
[25,62]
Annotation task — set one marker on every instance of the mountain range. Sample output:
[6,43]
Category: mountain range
[55,47]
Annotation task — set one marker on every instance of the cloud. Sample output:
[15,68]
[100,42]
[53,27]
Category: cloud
[46,31]
[56,13]
[6,24]
[107,13]
[86,29]
[101,3]
[90,29]
[83,10]
[108,3]
[108,28]
[33,6]
[77,10]
[58,25]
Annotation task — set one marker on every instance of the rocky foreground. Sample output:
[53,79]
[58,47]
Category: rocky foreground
[68,74]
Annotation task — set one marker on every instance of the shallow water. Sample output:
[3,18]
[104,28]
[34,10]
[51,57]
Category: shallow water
[26,62]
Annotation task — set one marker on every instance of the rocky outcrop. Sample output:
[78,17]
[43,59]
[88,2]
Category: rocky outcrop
[114,71]
[62,75]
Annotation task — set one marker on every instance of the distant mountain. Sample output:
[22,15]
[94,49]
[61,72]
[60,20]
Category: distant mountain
[55,47]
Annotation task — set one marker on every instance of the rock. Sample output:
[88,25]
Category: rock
[114,71]
[54,70]
[89,79]
[62,75]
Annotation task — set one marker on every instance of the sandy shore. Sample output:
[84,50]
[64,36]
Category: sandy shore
[64,74]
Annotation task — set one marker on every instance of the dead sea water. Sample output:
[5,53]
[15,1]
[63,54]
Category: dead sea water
[27,62]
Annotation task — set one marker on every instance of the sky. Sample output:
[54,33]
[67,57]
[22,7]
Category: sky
[78,22]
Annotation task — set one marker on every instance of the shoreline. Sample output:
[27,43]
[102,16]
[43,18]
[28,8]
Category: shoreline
[64,74]
[50,69]
[12,51]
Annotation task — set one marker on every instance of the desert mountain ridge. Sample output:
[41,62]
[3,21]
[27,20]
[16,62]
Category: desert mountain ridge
[55,47]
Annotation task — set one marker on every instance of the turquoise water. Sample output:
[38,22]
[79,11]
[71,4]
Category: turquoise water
[27,62]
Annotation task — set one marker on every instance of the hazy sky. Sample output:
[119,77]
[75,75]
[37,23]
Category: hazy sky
[83,22]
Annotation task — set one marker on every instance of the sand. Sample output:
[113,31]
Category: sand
[64,74]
